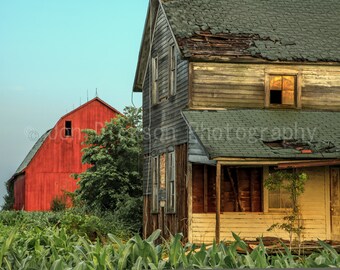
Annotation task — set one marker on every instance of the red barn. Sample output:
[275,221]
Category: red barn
[46,171]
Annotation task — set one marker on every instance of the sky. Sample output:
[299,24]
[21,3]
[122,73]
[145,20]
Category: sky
[54,52]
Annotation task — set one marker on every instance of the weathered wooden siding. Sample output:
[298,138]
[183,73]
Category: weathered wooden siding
[163,122]
[314,208]
[19,192]
[49,172]
[174,222]
[225,85]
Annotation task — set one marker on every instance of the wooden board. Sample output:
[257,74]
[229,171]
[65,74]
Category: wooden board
[227,85]
[335,203]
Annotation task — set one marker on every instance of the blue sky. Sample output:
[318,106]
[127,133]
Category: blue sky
[51,53]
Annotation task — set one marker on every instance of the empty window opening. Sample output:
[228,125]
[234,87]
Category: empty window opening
[68,128]
[282,90]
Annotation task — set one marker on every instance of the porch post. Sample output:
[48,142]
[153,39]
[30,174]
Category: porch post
[218,202]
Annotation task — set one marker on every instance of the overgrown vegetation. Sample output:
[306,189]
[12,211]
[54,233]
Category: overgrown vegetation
[294,183]
[24,244]
[9,197]
[113,181]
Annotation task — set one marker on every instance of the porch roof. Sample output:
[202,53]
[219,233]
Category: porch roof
[284,134]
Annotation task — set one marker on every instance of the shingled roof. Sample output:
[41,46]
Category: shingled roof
[267,133]
[32,152]
[289,30]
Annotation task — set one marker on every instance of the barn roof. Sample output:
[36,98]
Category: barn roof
[289,134]
[288,30]
[32,152]
[41,140]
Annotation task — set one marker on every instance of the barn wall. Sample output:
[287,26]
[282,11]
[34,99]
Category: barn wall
[314,208]
[49,173]
[19,192]
[225,85]
[163,124]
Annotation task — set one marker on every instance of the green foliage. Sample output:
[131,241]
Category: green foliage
[9,197]
[58,204]
[58,248]
[294,183]
[114,179]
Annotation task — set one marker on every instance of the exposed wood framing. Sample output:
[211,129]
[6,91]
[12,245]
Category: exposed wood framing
[205,190]
[311,163]
[236,195]
[218,202]
[189,200]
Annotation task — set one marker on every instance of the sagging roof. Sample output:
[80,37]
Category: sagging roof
[288,30]
[32,152]
[287,134]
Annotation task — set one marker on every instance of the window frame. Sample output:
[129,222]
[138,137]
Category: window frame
[155,80]
[68,130]
[280,208]
[172,70]
[171,182]
[155,184]
[297,92]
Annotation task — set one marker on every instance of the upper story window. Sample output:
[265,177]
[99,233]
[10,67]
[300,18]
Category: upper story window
[68,128]
[155,75]
[283,91]
[172,70]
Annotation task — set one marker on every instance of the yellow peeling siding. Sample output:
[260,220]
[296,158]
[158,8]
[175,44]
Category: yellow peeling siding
[251,225]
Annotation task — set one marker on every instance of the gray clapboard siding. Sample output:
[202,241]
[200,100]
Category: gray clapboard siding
[163,123]
[196,152]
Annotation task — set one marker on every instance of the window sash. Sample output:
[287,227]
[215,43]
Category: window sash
[279,199]
[171,184]
[287,86]
[155,75]
[155,183]
[172,70]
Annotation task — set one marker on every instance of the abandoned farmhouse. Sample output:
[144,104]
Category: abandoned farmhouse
[232,91]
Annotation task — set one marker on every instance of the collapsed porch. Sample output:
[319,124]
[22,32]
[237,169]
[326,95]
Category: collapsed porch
[220,207]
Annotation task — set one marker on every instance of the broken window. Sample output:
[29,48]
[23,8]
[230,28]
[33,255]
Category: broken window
[282,90]
[68,128]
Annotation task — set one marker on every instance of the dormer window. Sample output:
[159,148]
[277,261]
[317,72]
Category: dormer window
[283,91]
[68,128]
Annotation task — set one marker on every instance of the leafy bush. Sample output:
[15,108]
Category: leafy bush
[58,204]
